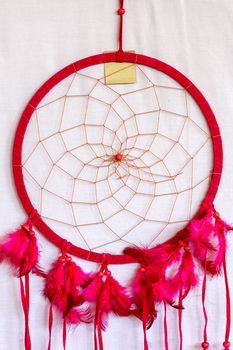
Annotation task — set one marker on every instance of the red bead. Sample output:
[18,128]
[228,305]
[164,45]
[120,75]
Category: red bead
[68,258]
[187,248]
[32,233]
[118,157]
[61,259]
[226,344]
[205,345]
[108,273]
[181,243]
[142,269]
[121,11]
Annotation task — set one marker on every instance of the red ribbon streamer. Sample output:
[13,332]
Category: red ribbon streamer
[98,340]
[25,299]
[228,300]
[64,334]
[144,316]
[203,304]
[121,25]
[50,326]
[165,326]
[180,319]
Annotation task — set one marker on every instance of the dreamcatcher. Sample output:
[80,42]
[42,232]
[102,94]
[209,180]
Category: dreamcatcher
[117,159]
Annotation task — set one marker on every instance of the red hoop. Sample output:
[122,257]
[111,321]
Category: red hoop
[64,73]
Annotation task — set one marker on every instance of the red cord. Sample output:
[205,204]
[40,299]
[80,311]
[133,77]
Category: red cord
[165,326]
[144,316]
[50,326]
[101,346]
[180,320]
[121,12]
[95,336]
[226,343]
[98,340]
[64,334]
[25,298]
[205,343]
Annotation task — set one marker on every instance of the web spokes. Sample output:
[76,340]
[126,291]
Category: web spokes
[103,203]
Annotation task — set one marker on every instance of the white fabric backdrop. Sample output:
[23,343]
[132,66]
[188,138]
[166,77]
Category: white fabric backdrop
[38,38]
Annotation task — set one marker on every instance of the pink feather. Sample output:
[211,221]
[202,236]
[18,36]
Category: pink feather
[119,298]
[63,288]
[108,295]
[220,231]
[156,262]
[143,297]
[92,291]
[207,236]
[186,277]
[20,249]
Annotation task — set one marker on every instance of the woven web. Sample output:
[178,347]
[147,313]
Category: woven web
[88,197]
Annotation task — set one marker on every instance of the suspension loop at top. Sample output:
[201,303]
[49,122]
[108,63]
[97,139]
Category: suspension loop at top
[121,12]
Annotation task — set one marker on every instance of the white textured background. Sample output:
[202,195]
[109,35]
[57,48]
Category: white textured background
[38,38]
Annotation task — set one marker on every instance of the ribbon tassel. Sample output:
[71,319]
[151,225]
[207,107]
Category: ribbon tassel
[25,298]
[20,249]
[109,296]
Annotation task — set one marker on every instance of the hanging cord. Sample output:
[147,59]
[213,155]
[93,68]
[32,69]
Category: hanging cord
[144,316]
[165,326]
[64,334]
[205,344]
[98,339]
[180,313]
[25,298]
[121,12]
[226,343]
[50,324]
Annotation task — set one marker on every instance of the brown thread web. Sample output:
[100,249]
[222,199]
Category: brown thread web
[117,199]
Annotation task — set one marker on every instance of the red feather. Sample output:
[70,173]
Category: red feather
[109,296]
[186,277]
[156,261]
[207,235]
[143,297]
[20,249]
[63,288]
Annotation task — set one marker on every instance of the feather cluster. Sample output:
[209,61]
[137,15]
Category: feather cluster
[108,295]
[208,238]
[154,283]
[20,249]
[166,273]
[63,287]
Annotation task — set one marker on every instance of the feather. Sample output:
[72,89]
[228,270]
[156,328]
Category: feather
[207,236]
[119,297]
[220,230]
[186,276]
[108,295]
[63,288]
[143,297]
[156,263]
[92,291]
[20,249]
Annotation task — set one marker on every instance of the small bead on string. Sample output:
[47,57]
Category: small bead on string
[119,157]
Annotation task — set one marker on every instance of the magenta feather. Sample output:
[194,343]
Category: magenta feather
[143,297]
[109,296]
[186,277]
[20,249]
[207,236]
[63,288]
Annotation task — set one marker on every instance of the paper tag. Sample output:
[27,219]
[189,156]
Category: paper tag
[119,73]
